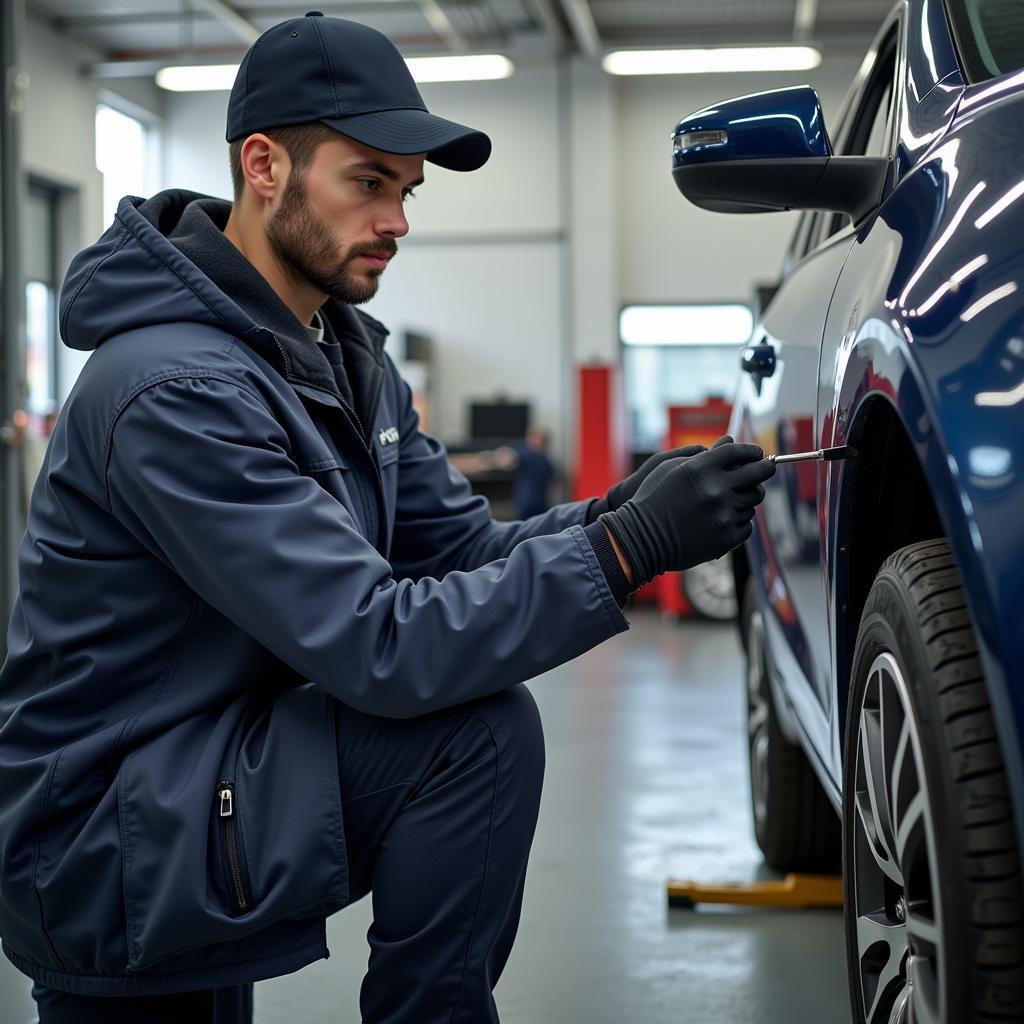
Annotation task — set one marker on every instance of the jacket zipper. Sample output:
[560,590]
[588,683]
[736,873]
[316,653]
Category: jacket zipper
[378,521]
[229,833]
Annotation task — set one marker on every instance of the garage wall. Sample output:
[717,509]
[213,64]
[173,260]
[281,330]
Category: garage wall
[481,268]
[671,250]
[58,143]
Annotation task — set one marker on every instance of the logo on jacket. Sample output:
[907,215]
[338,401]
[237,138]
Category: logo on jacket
[389,436]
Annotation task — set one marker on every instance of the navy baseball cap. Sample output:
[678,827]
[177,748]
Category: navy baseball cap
[351,78]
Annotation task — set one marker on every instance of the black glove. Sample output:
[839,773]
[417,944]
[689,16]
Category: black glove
[621,492]
[691,510]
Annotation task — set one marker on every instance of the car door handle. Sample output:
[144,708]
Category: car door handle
[759,360]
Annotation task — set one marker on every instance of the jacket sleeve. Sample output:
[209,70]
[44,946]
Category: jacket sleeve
[199,471]
[440,525]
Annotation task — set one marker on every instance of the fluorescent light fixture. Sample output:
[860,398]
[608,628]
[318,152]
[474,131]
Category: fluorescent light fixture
[197,77]
[703,61]
[686,325]
[461,68]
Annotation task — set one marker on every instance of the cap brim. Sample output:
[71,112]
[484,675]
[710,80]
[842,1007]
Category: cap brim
[410,130]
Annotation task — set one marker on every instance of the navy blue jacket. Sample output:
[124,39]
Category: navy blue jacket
[220,548]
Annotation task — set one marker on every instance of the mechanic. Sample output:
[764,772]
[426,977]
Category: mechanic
[268,649]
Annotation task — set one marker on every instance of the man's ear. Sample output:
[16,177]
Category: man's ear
[265,165]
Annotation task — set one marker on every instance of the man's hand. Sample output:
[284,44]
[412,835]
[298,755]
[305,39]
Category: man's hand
[690,510]
[621,492]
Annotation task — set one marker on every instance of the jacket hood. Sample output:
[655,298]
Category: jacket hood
[167,260]
[134,276]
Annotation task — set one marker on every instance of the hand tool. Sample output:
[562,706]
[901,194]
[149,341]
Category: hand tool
[844,451]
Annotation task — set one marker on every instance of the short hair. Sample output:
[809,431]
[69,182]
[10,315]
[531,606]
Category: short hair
[299,140]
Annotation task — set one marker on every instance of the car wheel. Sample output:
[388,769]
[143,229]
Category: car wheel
[710,590]
[796,826]
[932,871]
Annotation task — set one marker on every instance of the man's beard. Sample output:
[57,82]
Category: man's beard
[305,248]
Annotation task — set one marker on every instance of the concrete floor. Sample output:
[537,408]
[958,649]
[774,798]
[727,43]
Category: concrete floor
[646,780]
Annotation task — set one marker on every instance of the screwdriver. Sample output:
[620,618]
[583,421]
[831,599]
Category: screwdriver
[844,451]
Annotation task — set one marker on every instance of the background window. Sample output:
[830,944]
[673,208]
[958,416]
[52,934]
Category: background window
[123,157]
[41,281]
[678,355]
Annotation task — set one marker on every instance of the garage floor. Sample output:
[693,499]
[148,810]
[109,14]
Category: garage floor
[646,779]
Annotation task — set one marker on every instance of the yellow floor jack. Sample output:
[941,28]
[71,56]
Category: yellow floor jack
[797,891]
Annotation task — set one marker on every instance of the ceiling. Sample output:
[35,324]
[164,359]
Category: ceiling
[135,30]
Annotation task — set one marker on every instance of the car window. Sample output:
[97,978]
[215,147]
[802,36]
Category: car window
[821,217]
[801,243]
[872,114]
[878,136]
[989,36]
[870,128]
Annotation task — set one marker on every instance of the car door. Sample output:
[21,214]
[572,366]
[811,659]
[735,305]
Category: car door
[858,314]
[782,411]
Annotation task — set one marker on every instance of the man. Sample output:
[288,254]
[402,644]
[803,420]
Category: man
[534,473]
[268,650]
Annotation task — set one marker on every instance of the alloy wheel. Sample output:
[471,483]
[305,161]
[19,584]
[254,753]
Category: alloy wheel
[757,715]
[900,949]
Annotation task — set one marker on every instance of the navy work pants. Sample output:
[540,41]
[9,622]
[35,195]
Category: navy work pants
[439,815]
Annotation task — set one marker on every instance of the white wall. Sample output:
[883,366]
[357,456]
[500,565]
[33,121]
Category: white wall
[58,141]
[481,268]
[671,250]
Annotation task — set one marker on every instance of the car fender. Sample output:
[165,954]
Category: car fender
[975,485]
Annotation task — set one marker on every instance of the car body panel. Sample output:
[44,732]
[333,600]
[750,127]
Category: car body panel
[781,417]
[792,128]
[925,313]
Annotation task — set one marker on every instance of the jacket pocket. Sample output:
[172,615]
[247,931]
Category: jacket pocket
[232,849]
[222,849]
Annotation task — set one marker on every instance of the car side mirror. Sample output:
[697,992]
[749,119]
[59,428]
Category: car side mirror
[770,151]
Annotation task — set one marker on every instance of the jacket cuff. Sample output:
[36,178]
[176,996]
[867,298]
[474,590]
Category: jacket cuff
[597,507]
[609,562]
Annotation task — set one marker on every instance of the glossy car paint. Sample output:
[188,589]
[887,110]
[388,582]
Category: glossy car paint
[791,124]
[921,307]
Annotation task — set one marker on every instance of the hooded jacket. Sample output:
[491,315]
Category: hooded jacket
[220,547]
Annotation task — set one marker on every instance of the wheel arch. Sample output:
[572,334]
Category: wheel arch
[904,489]
[887,470]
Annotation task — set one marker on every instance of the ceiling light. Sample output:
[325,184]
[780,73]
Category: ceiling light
[462,68]
[699,62]
[197,77]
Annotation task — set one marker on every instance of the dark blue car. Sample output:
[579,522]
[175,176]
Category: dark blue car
[883,595]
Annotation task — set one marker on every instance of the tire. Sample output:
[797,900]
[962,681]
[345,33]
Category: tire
[934,912]
[795,825]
